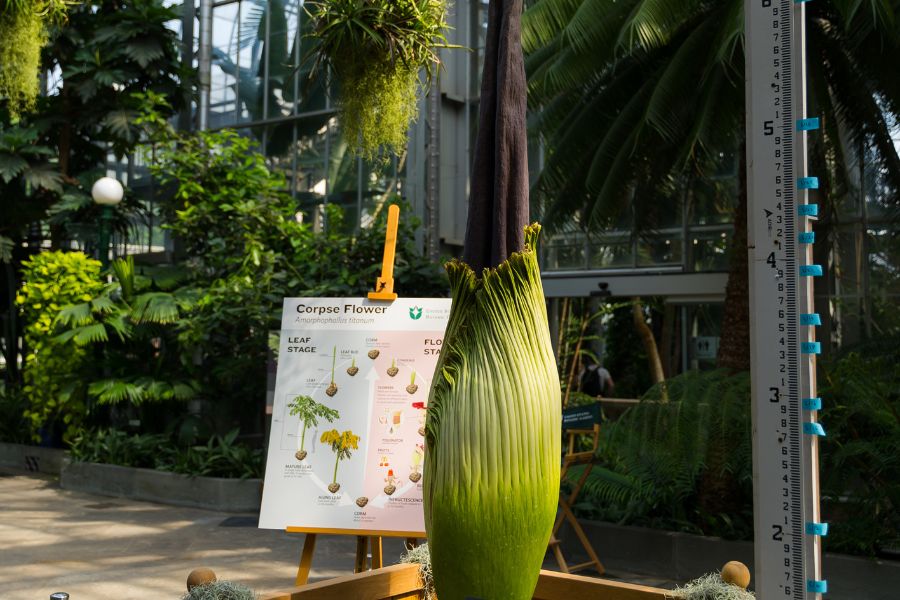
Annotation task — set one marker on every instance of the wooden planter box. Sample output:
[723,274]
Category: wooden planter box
[401,582]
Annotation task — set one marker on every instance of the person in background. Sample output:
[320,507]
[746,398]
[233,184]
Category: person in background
[595,380]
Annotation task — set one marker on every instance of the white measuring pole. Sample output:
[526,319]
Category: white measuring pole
[787,526]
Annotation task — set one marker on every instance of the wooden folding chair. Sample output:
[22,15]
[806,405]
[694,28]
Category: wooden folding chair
[574,422]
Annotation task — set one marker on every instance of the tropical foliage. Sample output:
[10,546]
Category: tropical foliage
[248,250]
[132,325]
[50,156]
[220,456]
[686,464]
[108,52]
[636,102]
[682,464]
[52,280]
[630,94]
[860,457]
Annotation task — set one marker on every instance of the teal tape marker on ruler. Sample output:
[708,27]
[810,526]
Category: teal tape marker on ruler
[807,237]
[811,319]
[808,183]
[810,270]
[808,124]
[808,210]
[815,586]
[811,403]
[820,529]
[814,429]
[810,348]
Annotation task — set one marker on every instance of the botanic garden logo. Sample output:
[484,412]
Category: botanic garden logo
[415,313]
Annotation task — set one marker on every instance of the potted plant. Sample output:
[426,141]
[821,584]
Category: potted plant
[309,412]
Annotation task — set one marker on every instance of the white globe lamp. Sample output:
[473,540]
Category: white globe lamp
[107,192]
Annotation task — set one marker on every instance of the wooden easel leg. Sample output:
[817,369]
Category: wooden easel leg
[362,562]
[559,518]
[309,544]
[582,537]
[566,514]
[375,544]
[554,540]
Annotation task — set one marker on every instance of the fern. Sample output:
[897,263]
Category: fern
[658,459]
[861,455]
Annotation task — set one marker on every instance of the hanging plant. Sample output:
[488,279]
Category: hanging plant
[23,31]
[376,50]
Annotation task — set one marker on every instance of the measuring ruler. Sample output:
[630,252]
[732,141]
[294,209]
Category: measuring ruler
[788,530]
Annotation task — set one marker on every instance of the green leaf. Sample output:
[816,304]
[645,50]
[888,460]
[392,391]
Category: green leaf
[90,334]
[11,166]
[155,307]
[76,314]
[44,177]
[114,391]
[6,249]
[144,50]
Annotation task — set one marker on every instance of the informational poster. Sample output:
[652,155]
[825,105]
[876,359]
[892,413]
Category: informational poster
[347,440]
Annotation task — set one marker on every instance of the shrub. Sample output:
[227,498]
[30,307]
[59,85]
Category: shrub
[221,456]
[14,427]
[51,280]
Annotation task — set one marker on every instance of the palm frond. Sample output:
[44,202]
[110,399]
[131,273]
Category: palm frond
[155,307]
[544,20]
[84,335]
[123,268]
[75,315]
[114,391]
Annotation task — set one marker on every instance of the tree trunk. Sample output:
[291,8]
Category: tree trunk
[653,360]
[734,345]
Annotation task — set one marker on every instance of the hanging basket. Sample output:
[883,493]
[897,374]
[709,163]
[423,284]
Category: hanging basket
[380,52]
[23,31]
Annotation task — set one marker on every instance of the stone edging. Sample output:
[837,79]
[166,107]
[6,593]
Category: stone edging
[211,493]
[36,459]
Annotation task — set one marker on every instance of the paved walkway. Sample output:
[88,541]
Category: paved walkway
[95,547]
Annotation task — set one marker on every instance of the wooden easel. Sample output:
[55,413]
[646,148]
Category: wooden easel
[365,539]
[368,547]
[570,459]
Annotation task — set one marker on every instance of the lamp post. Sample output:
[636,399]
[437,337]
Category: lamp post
[107,192]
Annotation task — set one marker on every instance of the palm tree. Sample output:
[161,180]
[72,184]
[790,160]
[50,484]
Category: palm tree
[634,97]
